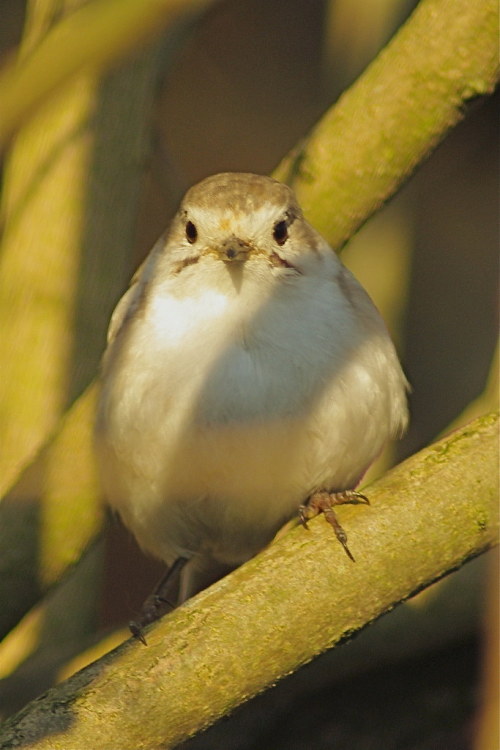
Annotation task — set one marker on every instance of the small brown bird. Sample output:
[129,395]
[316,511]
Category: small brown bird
[247,374]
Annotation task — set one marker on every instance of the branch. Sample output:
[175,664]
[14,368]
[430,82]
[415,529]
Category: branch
[93,37]
[298,598]
[389,121]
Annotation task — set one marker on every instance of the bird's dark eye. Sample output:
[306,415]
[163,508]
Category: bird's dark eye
[191,232]
[280,232]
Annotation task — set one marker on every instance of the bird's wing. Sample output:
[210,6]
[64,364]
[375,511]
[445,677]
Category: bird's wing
[130,301]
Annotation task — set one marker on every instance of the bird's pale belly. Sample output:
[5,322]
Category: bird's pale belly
[233,424]
[224,486]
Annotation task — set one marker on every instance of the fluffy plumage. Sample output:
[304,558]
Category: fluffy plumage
[246,368]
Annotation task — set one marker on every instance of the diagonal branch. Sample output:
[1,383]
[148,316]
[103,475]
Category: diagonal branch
[295,600]
[393,116]
[111,28]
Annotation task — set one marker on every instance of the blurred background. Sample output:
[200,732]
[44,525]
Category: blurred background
[236,89]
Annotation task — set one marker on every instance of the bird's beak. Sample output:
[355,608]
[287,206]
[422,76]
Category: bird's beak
[233,250]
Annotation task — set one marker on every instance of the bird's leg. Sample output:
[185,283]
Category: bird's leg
[159,601]
[323,502]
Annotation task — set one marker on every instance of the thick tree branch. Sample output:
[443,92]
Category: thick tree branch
[383,126]
[290,603]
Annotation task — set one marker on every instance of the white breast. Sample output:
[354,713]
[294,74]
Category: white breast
[232,402]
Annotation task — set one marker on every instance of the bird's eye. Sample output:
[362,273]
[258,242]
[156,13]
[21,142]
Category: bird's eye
[191,232]
[280,232]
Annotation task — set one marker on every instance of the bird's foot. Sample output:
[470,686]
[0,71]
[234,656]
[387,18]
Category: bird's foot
[323,502]
[159,602]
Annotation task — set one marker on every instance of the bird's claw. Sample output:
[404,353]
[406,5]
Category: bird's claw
[323,502]
[158,603]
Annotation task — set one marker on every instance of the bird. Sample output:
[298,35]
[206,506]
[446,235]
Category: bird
[248,379]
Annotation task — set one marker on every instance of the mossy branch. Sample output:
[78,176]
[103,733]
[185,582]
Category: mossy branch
[293,601]
[388,122]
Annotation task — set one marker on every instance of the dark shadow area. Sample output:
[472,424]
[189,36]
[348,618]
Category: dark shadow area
[452,316]
[19,521]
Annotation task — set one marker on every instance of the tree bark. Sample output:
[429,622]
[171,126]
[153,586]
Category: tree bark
[419,87]
[298,598]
